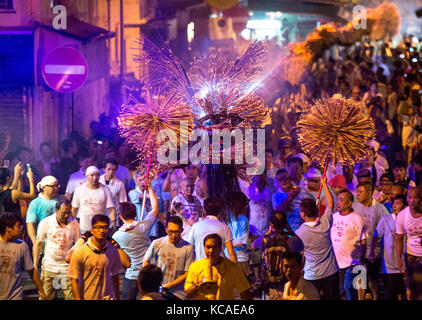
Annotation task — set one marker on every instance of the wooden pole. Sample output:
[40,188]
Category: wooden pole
[146,187]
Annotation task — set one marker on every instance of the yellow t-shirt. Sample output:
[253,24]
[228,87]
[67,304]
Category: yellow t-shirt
[227,274]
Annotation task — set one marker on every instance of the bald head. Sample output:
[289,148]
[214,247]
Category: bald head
[188,186]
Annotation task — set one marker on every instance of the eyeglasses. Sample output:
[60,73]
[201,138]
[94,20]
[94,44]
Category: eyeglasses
[173,232]
[101,228]
[57,186]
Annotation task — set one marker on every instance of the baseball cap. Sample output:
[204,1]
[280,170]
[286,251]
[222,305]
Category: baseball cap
[374,144]
[313,173]
[303,156]
[338,181]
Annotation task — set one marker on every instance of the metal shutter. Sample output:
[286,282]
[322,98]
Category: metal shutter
[12,112]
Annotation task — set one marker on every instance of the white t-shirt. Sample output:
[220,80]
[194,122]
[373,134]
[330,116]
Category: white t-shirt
[346,232]
[117,188]
[304,290]
[76,179]
[371,216]
[118,191]
[15,257]
[90,203]
[123,174]
[260,207]
[412,227]
[59,240]
[201,229]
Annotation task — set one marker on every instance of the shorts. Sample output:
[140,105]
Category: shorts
[55,281]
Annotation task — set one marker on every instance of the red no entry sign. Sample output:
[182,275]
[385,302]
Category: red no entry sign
[64,69]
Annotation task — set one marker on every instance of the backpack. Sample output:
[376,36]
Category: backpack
[274,245]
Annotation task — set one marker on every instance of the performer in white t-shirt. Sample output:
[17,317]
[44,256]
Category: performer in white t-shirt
[190,209]
[409,223]
[59,232]
[116,186]
[349,243]
[91,199]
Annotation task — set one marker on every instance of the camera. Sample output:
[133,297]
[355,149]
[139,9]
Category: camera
[99,142]
[28,167]
[402,56]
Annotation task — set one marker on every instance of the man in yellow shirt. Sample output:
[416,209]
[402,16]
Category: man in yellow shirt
[221,274]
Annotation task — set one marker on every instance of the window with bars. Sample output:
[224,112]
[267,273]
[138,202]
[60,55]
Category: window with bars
[7,5]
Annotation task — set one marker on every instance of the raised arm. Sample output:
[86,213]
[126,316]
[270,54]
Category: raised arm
[154,201]
[167,181]
[17,176]
[19,195]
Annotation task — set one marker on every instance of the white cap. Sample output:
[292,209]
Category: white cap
[313,173]
[374,144]
[47,180]
[91,170]
[303,156]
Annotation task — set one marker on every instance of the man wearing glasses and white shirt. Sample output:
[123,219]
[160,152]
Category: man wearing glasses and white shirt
[43,206]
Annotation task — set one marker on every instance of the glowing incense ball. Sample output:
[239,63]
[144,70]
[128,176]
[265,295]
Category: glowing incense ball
[335,130]
[140,124]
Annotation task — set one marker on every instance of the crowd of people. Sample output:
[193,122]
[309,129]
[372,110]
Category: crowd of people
[290,234]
